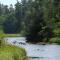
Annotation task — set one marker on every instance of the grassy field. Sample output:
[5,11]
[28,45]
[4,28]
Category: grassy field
[9,52]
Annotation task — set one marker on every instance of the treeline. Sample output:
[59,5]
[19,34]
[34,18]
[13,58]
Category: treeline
[38,20]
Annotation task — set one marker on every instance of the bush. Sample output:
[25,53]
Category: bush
[55,40]
[2,42]
[9,52]
[56,32]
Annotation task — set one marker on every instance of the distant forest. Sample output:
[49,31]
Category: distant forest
[38,20]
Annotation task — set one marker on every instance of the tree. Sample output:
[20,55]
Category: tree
[36,27]
[10,24]
[6,10]
[0,9]
[18,15]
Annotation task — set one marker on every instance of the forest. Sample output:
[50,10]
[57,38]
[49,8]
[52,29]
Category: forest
[37,20]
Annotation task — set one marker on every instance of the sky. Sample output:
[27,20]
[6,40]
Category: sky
[8,2]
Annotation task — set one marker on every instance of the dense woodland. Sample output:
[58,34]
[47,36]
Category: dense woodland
[38,20]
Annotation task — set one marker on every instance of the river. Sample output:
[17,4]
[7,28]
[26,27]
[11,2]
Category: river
[37,52]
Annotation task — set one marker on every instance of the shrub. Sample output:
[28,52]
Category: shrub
[56,32]
[2,42]
[55,40]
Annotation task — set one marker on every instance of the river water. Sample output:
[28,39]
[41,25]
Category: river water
[37,52]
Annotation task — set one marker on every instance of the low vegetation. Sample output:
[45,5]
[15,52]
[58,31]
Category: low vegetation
[12,53]
[55,40]
[9,52]
[9,35]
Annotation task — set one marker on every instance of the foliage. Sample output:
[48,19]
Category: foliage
[55,40]
[9,26]
[38,20]
[9,52]
[56,32]
[2,42]
[38,28]
[18,15]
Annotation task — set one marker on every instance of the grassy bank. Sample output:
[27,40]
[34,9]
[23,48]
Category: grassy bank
[10,35]
[8,52]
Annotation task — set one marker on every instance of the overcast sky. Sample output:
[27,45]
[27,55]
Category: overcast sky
[8,2]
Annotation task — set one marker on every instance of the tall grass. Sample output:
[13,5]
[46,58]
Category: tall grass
[10,52]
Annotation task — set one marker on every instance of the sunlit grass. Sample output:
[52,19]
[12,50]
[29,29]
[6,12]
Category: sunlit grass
[9,35]
[9,52]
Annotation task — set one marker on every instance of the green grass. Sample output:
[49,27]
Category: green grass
[9,52]
[9,35]
[12,35]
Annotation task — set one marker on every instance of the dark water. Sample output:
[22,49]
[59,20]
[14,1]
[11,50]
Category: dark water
[38,52]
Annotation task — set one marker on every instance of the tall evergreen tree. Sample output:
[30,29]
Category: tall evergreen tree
[36,27]
[18,15]
[10,24]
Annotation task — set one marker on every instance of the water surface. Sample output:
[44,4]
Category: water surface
[38,52]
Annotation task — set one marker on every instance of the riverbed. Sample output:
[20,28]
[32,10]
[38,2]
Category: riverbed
[37,52]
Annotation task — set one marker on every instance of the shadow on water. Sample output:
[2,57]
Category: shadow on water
[39,58]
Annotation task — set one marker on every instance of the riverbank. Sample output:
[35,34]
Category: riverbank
[10,35]
[54,40]
[9,52]
[44,43]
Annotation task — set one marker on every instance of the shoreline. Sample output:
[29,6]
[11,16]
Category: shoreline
[43,43]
